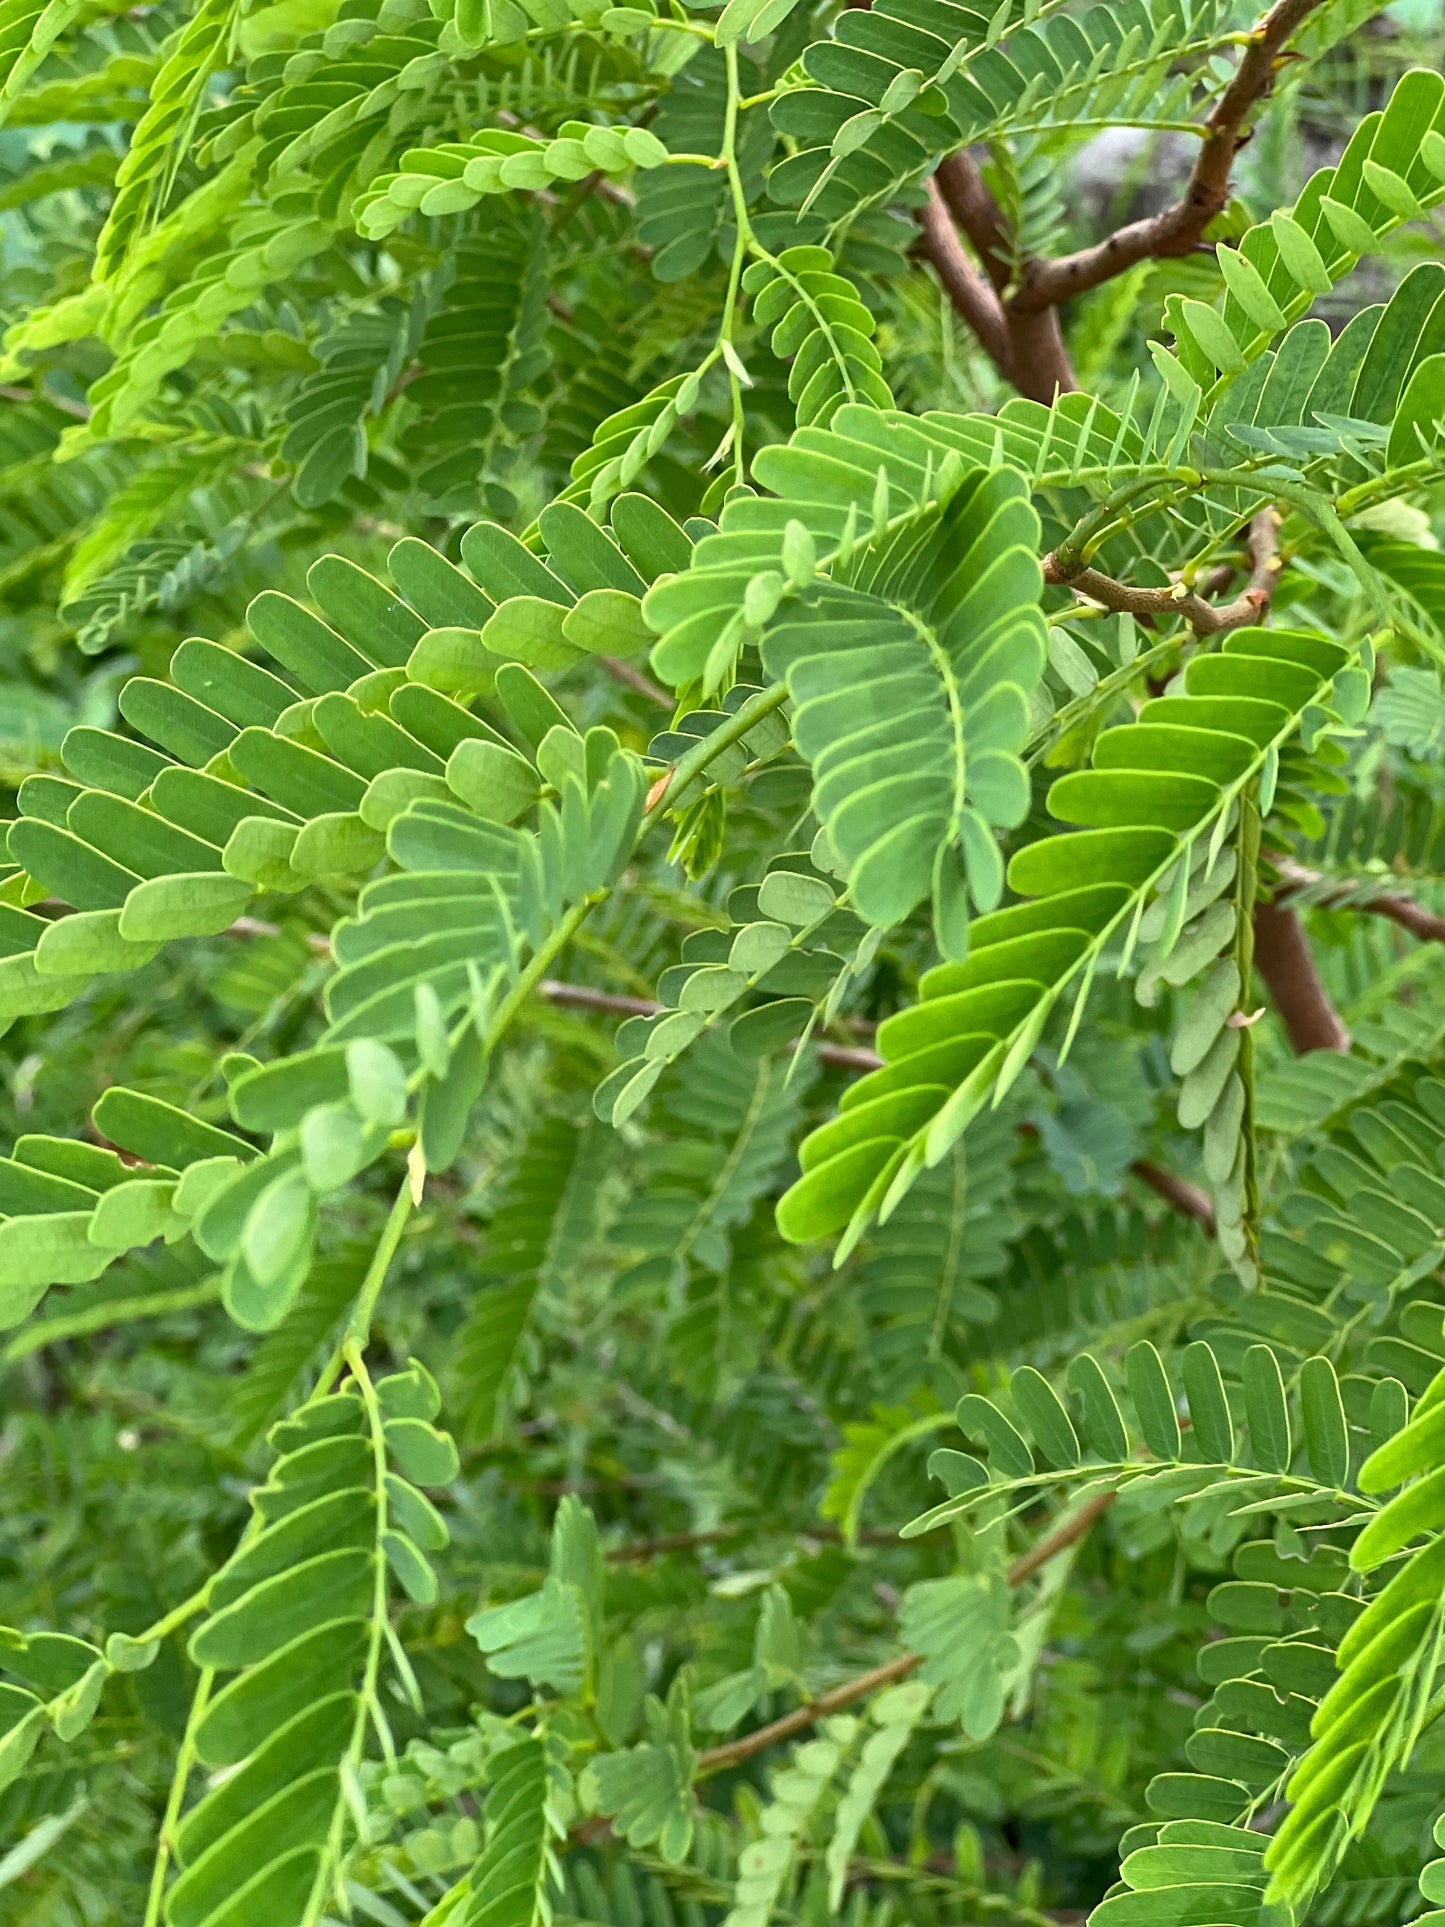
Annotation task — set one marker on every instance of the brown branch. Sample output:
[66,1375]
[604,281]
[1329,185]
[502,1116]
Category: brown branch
[1403,910]
[966,196]
[1035,358]
[1204,618]
[1178,229]
[965,287]
[9,392]
[624,672]
[583,997]
[1027,349]
[1177,1192]
[643,1549]
[1282,957]
[1012,306]
[718,1758]
[1067,1533]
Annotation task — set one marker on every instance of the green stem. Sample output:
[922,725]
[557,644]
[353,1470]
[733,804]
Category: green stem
[352,1354]
[682,772]
[1246,890]
[358,1326]
[49,1331]
[1074,552]
[537,969]
[177,1616]
[184,1761]
[729,156]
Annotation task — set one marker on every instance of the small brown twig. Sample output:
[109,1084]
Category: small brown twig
[583,997]
[10,392]
[1343,895]
[718,1758]
[1177,1192]
[624,673]
[1204,618]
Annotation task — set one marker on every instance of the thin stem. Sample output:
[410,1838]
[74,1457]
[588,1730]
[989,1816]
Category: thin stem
[358,1327]
[1247,891]
[184,1760]
[741,244]
[1072,555]
[50,1331]
[536,970]
[331,1858]
[682,772]
[177,1616]
[1066,1534]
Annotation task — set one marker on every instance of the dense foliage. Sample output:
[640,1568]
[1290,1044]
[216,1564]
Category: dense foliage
[720,961]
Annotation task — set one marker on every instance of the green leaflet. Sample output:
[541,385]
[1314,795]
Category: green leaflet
[916,787]
[1102,1419]
[278,1610]
[516,1846]
[30,31]
[796,1792]
[550,1637]
[454,177]
[961,1627]
[292,1615]
[199,905]
[251,1707]
[821,326]
[1045,1416]
[1417,1448]
[977,1019]
[1326,1434]
[894,1714]
[188,730]
[202,46]
[1269,1429]
[159,1132]
[90,941]
[110,762]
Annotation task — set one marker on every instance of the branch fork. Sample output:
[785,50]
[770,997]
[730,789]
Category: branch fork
[1012,309]
[1179,599]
